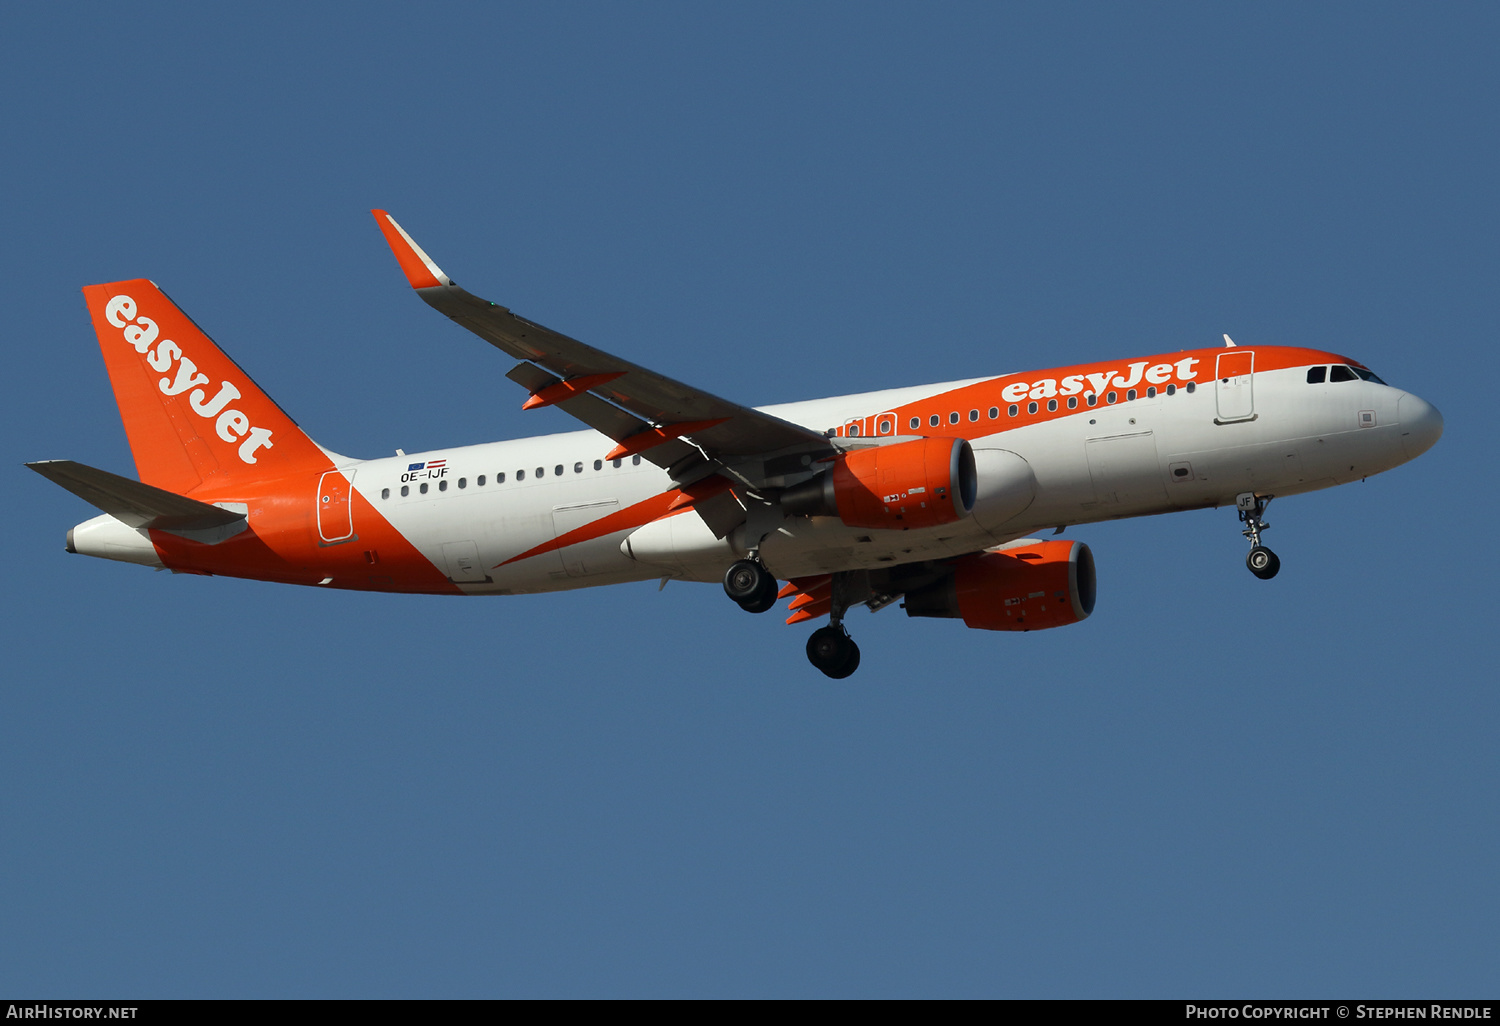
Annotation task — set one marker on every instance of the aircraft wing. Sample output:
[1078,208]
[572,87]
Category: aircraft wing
[689,432]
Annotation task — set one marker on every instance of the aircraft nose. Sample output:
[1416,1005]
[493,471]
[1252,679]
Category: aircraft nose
[1421,424]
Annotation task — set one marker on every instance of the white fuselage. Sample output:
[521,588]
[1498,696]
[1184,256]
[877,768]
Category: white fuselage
[1132,458]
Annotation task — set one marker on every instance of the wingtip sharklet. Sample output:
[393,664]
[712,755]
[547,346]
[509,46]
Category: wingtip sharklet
[415,263]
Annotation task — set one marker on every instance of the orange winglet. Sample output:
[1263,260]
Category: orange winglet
[415,264]
[699,491]
[565,390]
[652,437]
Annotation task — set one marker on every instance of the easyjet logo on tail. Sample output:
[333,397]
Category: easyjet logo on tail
[232,425]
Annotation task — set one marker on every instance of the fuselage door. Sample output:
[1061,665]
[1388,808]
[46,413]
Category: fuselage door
[1125,471]
[335,514]
[463,562]
[570,518]
[1234,385]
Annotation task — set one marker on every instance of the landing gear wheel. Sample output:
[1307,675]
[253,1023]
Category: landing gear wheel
[833,652]
[1263,563]
[762,600]
[747,582]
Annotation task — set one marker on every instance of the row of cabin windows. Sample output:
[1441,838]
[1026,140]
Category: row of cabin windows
[1339,372]
[463,482]
[1110,398]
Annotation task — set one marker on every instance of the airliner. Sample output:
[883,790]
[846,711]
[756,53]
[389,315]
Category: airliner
[939,497]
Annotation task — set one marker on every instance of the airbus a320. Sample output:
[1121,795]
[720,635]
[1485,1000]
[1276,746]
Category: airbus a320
[928,495]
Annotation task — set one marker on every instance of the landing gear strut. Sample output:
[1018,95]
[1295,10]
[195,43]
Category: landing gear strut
[751,585]
[1263,563]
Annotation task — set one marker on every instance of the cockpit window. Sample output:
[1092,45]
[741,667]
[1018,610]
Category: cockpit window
[1341,373]
[1367,375]
[1317,375]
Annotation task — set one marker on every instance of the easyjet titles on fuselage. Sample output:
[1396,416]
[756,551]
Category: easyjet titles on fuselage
[1072,384]
[230,424]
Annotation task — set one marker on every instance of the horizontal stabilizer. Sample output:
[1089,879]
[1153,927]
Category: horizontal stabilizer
[133,503]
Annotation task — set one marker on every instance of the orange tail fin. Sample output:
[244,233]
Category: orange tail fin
[192,416]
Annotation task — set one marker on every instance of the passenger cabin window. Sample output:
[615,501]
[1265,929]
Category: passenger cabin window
[422,488]
[1341,373]
[933,420]
[463,482]
[385,493]
[1317,375]
[635,461]
[405,491]
[953,417]
[558,470]
[973,416]
[578,468]
[598,464]
[1031,407]
[994,413]
[1012,409]
[541,472]
[479,480]
[520,475]
[500,478]
[443,485]
[1051,405]
[916,422]
[1072,402]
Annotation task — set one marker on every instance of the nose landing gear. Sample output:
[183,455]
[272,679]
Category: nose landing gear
[1263,563]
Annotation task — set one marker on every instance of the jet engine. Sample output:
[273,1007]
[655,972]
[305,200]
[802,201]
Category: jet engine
[1027,586]
[921,483]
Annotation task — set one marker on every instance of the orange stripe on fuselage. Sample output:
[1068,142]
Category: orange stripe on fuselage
[282,544]
[1191,366]
[638,515]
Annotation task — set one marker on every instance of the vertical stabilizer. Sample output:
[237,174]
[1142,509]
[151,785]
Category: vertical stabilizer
[192,416]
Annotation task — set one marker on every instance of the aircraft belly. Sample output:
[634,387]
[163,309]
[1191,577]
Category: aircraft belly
[819,545]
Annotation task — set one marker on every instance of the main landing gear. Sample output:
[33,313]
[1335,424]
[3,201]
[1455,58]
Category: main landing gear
[751,585]
[1263,563]
[831,650]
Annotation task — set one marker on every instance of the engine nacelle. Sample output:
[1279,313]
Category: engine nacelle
[1028,586]
[921,483]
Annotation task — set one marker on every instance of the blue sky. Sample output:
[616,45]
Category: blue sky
[1215,786]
